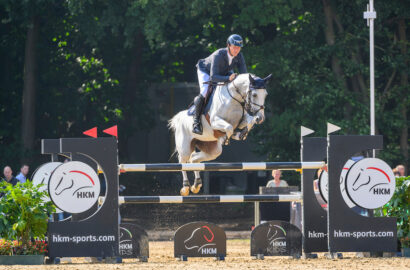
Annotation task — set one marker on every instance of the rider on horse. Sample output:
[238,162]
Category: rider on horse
[218,67]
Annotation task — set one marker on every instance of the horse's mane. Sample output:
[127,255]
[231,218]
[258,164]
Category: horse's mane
[247,76]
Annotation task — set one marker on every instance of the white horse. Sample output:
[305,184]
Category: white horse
[237,105]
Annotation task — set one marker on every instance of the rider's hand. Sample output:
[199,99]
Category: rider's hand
[232,77]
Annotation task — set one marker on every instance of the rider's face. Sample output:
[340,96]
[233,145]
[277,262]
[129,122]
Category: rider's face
[234,50]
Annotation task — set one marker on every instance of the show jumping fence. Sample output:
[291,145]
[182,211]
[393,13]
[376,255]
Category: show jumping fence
[239,166]
[296,197]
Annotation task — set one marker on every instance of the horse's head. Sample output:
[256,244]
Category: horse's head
[255,97]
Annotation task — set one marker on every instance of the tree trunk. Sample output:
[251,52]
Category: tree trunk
[29,88]
[404,82]
[330,40]
[129,96]
[330,18]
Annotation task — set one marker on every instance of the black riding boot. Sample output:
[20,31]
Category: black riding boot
[199,104]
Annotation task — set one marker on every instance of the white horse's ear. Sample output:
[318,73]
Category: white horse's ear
[251,79]
[268,78]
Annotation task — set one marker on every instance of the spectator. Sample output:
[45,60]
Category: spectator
[22,176]
[275,211]
[8,176]
[276,181]
[396,172]
[400,169]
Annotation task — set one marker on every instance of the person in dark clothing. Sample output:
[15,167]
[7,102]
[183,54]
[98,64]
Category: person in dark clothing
[218,67]
[8,178]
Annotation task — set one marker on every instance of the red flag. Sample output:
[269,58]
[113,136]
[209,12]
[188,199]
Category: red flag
[91,132]
[112,131]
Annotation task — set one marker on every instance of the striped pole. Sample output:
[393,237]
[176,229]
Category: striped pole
[240,166]
[295,197]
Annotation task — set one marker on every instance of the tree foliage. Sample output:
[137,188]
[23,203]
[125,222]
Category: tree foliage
[96,59]
[24,212]
[399,207]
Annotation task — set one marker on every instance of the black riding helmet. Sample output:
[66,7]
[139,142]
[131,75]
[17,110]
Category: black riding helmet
[235,40]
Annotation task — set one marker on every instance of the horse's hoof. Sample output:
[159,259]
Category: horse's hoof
[184,191]
[236,136]
[244,133]
[196,188]
[227,141]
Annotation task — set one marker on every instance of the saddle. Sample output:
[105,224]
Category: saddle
[207,102]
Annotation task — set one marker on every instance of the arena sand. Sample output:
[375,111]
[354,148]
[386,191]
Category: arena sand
[161,257]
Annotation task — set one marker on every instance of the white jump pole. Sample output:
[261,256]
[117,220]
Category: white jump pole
[370,16]
[236,166]
[294,197]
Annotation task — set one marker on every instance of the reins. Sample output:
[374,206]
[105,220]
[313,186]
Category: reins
[246,102]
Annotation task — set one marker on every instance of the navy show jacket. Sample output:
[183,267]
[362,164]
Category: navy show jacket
[217,65]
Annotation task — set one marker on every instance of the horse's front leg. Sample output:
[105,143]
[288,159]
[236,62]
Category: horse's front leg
[245,127]
[185,184]
[220,124]
[196,187]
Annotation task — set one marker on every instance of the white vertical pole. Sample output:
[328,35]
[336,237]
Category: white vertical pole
[372,116]
[370,15]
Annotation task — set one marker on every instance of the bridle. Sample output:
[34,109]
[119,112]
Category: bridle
[246,102]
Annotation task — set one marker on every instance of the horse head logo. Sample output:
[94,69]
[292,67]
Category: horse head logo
[370,178]
[370,183]
[73,181]
[74,187]
[276,237]
[42,175]
[201,237]
[342,183]
[125,235]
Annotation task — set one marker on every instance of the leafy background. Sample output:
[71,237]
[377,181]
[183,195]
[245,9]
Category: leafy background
[66,64]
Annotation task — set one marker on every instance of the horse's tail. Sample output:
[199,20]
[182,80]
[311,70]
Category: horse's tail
[174,124]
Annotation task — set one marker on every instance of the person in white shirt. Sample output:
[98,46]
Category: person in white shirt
[22,176]
[276,181]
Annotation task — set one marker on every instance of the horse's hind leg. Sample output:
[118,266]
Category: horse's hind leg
[184,152]
[209,151]
[185,181]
